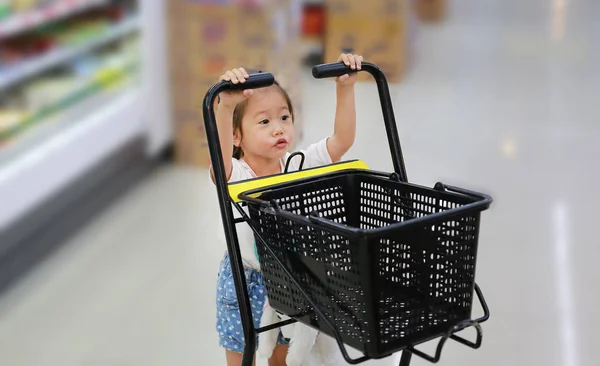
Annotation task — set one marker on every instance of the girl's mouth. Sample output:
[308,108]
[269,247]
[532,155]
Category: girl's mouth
[281,143]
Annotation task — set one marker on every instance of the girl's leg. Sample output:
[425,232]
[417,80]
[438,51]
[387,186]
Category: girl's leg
[229,320]
[234,358]
[279,354]
[277,359]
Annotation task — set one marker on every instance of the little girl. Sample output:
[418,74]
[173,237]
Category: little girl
[256,128]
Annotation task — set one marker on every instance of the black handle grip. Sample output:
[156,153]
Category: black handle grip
[254,81]
[331,70]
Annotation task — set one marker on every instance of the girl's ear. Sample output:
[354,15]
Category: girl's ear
[237,139]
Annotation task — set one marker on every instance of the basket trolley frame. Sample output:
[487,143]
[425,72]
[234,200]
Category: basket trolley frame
[226,204]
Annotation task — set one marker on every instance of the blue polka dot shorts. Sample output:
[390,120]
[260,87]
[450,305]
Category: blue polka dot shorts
[229,322]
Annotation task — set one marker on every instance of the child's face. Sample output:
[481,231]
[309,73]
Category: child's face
[267,128]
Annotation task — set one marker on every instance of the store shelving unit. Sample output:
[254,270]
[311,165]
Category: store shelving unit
[46,162]
[14,75]
[30,156]
[60,9]
[49,158]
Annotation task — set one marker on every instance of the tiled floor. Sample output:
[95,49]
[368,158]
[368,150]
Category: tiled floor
[501,98]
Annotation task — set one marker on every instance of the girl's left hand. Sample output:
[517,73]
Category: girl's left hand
[354,61]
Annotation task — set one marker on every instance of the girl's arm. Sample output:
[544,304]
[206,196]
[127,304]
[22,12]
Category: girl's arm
[224,115]
[344,130]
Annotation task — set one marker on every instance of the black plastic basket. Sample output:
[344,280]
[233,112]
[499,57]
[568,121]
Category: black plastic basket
[379,263]
[391,264]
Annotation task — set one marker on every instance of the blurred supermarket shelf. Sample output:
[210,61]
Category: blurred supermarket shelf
[58,123]
[56,10]
[13,75]
[55,153]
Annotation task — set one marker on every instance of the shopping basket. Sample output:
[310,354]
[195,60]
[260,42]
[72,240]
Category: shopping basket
[378,263]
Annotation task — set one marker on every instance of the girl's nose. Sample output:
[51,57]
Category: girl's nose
[277,129]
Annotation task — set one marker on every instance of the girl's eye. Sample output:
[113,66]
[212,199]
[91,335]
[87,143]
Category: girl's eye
[264,122]
[285,118]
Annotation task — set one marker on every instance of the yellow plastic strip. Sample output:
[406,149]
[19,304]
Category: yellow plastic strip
[236,188]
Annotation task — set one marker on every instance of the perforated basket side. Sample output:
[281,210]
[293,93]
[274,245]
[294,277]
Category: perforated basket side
[426,272]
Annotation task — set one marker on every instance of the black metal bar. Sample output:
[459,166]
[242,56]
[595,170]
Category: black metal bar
[440,346]
[406,357]
[276,325]
[484,305]
[339,68]
[214,146]
[438,351]
[474,345]
[451,335]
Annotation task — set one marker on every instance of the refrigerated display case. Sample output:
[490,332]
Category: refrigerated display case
[82,82]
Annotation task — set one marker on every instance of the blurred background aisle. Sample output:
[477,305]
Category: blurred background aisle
[108,249]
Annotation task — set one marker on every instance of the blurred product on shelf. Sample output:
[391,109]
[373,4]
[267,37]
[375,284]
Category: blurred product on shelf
[33,11]
[24,5]
[376,29]
[10,119]
[67,33]
[39,99]
[19,72]
[18,49]
[313,32]
[208,37]
[5,9]
[430,10]
[17,20]
[313,20]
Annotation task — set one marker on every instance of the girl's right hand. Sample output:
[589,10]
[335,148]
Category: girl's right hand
[232,98]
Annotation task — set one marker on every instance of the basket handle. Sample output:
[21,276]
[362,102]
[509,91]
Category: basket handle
[445,187]
[335,69]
